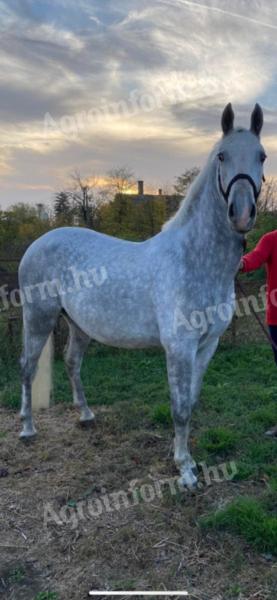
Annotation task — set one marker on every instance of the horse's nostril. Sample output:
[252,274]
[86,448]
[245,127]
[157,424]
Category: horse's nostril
[253,212]
[231,211]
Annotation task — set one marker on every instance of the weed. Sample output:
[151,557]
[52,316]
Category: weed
[16,575]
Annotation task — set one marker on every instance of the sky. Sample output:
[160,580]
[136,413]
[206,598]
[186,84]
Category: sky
[98,84]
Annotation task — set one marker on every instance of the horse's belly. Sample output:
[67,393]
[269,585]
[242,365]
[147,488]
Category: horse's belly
[128,341]
[126,326]
[125,335]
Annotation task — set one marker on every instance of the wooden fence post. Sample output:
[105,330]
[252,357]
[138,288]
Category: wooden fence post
[43,383]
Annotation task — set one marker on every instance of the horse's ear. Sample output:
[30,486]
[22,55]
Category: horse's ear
[257,119]
[227,119]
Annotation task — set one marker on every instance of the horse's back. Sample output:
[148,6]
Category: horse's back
[60,247]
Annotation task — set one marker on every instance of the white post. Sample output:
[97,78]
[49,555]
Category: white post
[42,384]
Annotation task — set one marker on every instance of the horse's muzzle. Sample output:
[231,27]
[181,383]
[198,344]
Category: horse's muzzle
[242,208]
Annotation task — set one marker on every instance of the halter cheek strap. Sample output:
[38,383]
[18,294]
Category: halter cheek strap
[226,193]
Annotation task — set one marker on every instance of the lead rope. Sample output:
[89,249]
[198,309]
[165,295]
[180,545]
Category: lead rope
[264,329]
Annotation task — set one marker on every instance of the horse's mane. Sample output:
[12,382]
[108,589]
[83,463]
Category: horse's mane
[193,196]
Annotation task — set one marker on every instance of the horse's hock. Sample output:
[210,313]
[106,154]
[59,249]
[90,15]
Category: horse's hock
[43,383]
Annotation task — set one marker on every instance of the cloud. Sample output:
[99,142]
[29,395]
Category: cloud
[5,163]
[68,60]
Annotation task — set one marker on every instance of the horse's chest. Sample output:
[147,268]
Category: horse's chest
[218,311]
[209,308]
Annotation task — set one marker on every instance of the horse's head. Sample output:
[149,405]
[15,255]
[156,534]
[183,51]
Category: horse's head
[240,158]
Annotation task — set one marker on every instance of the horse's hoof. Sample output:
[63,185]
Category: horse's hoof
[188,481]
[272,433]
[28,436]
[87,424]
[87,421]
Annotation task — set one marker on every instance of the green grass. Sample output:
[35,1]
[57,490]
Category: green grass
[124,584]
[217,439]
[161,415]
[238,403]
[248,518]
[238,399]
[234,591]
[9,370]
[46,596]
[110,375]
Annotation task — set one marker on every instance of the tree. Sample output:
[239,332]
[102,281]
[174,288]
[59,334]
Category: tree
[22,213]
[185,180]
[87,196]
[62,207]
[267,201]
[152,217]
[19,226]
[120,180]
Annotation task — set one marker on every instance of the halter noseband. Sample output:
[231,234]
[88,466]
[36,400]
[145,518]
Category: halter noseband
[226,193]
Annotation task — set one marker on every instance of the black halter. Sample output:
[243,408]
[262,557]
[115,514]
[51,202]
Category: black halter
[226,193]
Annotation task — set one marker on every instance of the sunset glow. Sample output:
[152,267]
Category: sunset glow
[100,85]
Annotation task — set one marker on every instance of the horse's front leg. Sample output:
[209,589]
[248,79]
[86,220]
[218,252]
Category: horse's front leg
[202,359]
[180,368]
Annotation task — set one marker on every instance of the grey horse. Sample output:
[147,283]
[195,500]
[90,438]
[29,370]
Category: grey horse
[175,290]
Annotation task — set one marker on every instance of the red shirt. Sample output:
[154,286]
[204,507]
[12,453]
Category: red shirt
[266,253]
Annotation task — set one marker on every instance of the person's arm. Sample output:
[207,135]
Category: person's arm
[260,255]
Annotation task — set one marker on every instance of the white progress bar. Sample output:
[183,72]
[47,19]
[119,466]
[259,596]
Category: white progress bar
[158,593]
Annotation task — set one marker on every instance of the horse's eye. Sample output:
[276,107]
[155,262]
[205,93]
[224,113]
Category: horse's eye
[220,156]
[263,156]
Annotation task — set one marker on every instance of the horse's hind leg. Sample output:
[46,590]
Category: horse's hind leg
[35,335]
[76,347]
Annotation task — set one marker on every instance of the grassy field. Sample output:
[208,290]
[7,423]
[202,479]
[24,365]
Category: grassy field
[218,543]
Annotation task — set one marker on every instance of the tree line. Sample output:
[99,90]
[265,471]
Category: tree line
[105,205]
[109,206]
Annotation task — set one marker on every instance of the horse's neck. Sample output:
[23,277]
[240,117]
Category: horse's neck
[213,241]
